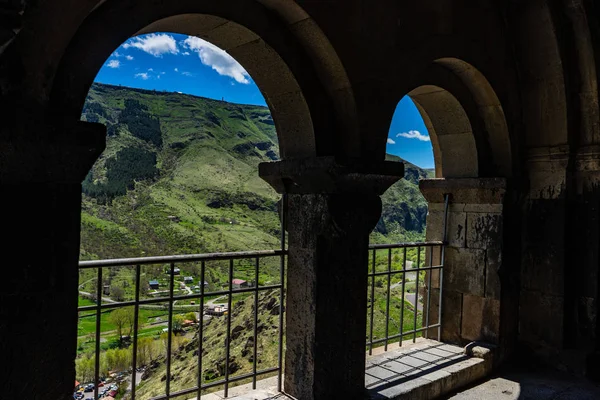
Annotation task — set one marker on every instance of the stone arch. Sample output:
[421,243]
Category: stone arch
[542,78]
[454,149]
[285,52]
[465,119]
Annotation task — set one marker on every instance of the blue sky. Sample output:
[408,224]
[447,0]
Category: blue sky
[186,64]
[408,136]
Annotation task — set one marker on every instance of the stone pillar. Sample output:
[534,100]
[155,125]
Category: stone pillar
[331,211]
[40,182]
[473,290]
[542,295]
[581,267]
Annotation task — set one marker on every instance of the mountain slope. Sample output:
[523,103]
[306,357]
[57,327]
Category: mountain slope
[179,175]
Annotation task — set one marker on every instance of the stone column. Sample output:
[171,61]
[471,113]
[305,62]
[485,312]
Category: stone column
[542,294]
[40,182]
[474,275]
[331,210]
[582,261]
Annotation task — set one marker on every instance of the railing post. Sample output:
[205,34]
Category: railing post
[332,209]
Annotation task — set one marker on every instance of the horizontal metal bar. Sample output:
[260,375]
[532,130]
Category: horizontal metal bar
[182,258]
[404,245]
[214,384]
[182,297]
[396,336]
[118,262]
[404,271]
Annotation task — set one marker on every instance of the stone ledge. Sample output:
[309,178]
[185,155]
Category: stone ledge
[426,370]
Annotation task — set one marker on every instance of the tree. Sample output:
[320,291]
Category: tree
[145,351]
[191,316]
[121,318]
[85,368]
[141,123]
[177,323]
[118,359]
[117,292]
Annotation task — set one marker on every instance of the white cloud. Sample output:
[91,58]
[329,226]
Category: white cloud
[176,70]
[116,54]
[186,53]
[186,73]
[163,72]
[143,75]
[390,141]
[155,44]
[217,59]
[150,69]
[129,58]
[414,135]
[114,64]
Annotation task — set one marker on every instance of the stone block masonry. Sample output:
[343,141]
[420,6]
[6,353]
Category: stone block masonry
[472,281]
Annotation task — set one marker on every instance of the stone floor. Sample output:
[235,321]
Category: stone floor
[416,370]
[427,369]
[530,382]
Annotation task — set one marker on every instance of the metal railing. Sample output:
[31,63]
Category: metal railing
[379,267]
[137,263]
[383,268]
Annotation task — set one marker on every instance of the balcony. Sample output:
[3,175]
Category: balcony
[402,315]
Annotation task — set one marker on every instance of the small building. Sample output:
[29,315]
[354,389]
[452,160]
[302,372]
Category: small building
[239,283]
[216,310]
[153,284]
[176,271]
[106,290]
[197,287]
[188,279]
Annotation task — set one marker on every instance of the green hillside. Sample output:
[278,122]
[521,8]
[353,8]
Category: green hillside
[179,175]
[191,187]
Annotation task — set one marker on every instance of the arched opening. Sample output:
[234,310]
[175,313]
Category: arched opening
[463,124]
[178,181]
[396,302]
[473,158]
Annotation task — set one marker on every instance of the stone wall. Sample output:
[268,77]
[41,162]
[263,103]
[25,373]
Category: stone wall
[472,289]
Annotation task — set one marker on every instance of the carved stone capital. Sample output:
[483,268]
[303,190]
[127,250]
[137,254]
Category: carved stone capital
[325,175]
[65,156]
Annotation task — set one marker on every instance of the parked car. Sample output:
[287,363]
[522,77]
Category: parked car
[89,387]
